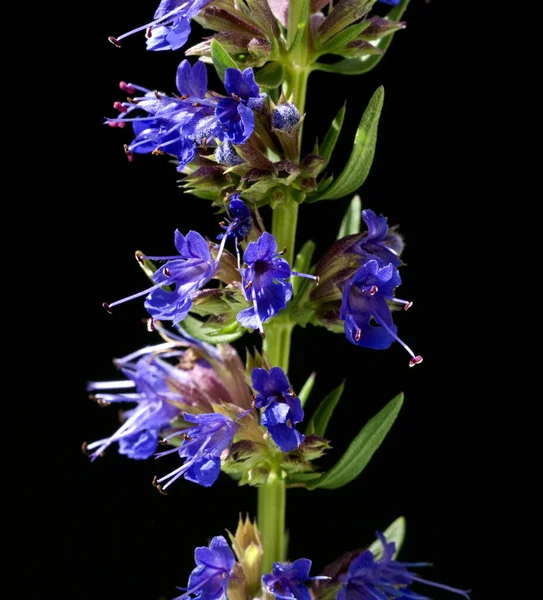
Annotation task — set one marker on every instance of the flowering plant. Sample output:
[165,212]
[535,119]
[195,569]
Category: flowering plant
[240,147]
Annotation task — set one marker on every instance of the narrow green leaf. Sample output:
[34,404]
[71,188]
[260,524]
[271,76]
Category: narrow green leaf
[306,389]
[340,40]
[395,532]
[212,335]
[330,139]
[363,64]
[221,59]
[361,449]
[301,25]
[270,75]
[320,419]
[351,221]
[358,166]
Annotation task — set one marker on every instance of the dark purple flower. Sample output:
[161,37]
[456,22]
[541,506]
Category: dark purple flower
[379,242]
[170,27]
[364,308]
[188,272]
[147,387]
[202,447]
[236,112]
[239,222]
[286,580]
[385,578]
[209,579]
[283,408]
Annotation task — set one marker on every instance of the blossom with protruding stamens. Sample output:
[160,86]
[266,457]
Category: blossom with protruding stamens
[265,282]
[170,27]
[283,409]
[214,565]
[235,113]
[379,241]
[385,578]
[286,580]
[202,447]
[177,124]
[188,272]
[365,310]
[146,386]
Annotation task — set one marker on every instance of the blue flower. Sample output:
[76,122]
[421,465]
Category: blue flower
[384,579]
[236,112]
[170,27]
[283,408]
[146,386]
[286,580]
[364,308]
[188,272]
[265,281]
[379,242]
[239,220]
[202,447]
[214,565]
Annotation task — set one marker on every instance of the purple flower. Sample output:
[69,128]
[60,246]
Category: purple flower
[384,579]
[188,272]
[209,580]
[236,112]
[283,408]
[379,242]
[265,282]
[364,307]
[202,447]
[239,221]
[170,28]
[146,386]
[286,580]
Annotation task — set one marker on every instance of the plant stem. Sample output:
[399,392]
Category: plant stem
[271,521]
[278,332]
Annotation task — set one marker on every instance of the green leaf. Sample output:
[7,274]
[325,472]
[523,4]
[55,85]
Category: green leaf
[320,419]
[221,59]
[358,166]
[330,139]
[301,24]
[340,40]
[212,335]
[393,533]
[361,449]
[270,75]
[363,64]
[306,389]
[351,221]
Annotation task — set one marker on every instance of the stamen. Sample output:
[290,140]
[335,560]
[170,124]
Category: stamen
[150,324]
[373,290]
[139,258]
[185,97]
[236,97]
[157,152]
[114,41]
[149,33]
[120,107]
[107,307]
[158,486]
[408,305]
[129,154]
[258,320]
[127,88]
[157,95]
[315,278]
[166,272]
[416,359]
[357,335]
[84,448]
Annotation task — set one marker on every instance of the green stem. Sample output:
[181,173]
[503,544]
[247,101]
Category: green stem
[278,332]
[271,521]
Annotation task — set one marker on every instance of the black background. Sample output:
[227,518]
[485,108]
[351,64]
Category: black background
[101,530]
